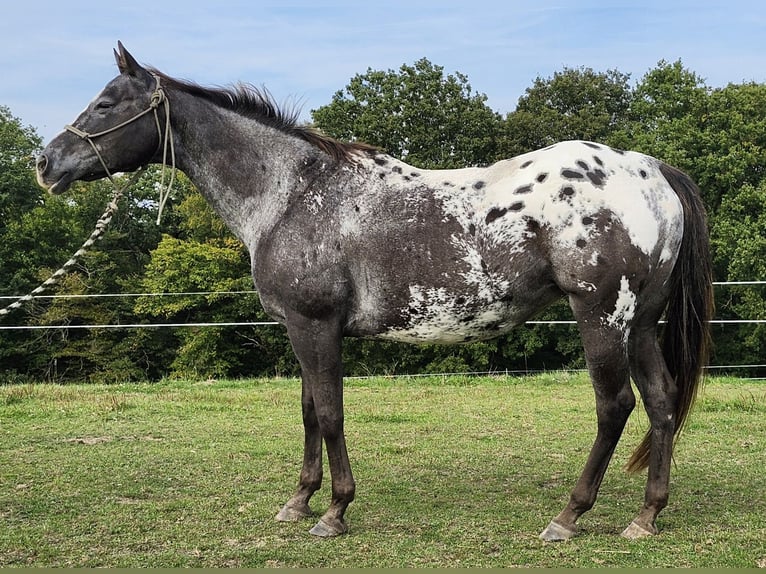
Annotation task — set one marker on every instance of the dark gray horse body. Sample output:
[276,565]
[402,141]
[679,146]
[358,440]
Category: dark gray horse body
[347,241]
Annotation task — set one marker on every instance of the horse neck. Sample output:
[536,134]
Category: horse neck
[245,169]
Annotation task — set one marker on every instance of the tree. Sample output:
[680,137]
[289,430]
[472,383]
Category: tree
[416,114]
[18,190]
[38,242]
[669,104]
[206,257]
[576,103]
[739,239]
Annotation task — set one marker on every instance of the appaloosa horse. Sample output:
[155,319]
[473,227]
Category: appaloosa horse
[348,241]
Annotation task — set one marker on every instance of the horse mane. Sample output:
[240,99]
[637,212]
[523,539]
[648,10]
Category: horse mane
[258,104]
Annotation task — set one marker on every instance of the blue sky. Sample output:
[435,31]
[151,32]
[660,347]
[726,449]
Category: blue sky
[56,55]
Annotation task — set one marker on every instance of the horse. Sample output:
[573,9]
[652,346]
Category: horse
[347,241]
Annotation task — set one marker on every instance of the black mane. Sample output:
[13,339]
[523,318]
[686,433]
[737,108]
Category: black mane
[258,104]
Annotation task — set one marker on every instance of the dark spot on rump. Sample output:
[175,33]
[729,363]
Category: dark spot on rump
[533,226]
[415,174]
[527,164]
[587,220]
[407,178]
[380,160]
[618,151]
[523,189]
[518,206]
[462,188]
[567,190]
[598,160]
[493,214]
[592,145]
[448,184]
[542,177]
[596,177]
[356,208]
[472,229]
[581,243]
[478,185]
[643,174]
[396,169]
[582,164]
[571,174]
[382,175]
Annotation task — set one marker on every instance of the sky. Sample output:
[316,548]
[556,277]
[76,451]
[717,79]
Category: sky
[55,56]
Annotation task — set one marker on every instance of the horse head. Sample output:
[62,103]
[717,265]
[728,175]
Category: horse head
[116,132]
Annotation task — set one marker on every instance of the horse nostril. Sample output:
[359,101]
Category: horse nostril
[42,163]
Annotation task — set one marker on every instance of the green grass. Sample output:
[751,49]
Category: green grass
[450,472]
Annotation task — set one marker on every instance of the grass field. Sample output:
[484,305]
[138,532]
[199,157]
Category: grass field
[451,471]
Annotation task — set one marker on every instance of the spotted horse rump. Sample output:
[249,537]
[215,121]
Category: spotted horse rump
[347,241]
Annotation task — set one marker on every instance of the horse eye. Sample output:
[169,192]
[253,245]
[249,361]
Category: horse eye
[104,104]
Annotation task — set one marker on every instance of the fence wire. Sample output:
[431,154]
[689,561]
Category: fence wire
[223,324]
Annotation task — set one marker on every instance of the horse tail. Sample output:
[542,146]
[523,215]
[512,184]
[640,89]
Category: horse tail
[686,339]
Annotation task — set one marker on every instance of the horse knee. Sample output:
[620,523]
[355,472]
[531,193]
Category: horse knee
[626,400]
[617,407]
[330,426]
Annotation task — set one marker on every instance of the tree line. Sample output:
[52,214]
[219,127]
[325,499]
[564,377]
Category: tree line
[419,114]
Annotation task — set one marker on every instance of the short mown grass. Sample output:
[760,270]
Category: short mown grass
[450,471]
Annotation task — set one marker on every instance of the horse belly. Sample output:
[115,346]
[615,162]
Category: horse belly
[437,316]
[443,324]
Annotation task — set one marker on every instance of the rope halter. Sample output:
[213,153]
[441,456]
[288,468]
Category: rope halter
[157,99]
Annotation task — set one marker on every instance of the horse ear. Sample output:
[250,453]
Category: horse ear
[126,63]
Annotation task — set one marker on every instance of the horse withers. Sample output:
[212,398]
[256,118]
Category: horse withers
[347,241]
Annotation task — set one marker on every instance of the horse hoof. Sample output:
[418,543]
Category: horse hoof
[635,531]
[292,514]
[554,532]
[326,530]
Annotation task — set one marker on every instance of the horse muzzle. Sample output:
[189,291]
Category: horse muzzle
[54,181]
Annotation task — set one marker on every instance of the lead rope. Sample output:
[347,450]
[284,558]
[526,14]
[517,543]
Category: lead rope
[101,225]
[158,98]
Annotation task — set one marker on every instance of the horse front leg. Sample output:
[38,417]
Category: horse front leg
[310,480]
[317,344]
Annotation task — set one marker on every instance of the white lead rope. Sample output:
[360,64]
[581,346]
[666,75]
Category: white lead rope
[101,226]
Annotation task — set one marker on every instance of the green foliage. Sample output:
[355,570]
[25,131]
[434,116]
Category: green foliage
[207,258]
[18,190]
[739,238]
[576,103]
[416,114]
[716,135]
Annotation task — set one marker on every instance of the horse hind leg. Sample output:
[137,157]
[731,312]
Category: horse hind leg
[607,360]
[659,394]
